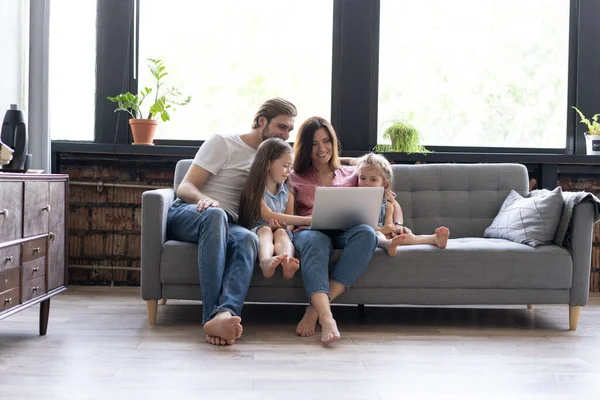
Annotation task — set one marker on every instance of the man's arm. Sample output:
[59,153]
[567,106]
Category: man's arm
[192,183]
[348,160]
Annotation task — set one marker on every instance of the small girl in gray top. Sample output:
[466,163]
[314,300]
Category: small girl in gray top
[267,207]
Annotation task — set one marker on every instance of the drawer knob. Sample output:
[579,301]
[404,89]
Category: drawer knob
[36,249]
[9,258]
[8,300]
[4,212]
[36,269]
[36,288]
[47,208]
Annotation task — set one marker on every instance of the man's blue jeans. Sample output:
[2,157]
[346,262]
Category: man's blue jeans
[358,244]
[226,255]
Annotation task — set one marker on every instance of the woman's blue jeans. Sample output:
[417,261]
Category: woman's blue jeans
[226,255]
[315,247]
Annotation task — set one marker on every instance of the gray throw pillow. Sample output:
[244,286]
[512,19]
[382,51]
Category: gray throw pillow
[528,220]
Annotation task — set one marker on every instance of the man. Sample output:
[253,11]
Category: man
[206,213]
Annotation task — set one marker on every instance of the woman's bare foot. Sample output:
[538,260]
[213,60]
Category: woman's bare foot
[441,236]
[269,264]
[394,243]
[223,329]
[329,330]
[306,326]
[290,265]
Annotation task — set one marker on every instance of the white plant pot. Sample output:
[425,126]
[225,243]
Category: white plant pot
[592,144]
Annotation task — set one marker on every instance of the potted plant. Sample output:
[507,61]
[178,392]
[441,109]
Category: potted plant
[592,136]
[165,99]
[404,137]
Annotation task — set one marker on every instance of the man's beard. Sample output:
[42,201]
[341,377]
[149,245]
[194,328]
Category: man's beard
[266,133]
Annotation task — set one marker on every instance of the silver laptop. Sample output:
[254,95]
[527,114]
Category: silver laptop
[345,207]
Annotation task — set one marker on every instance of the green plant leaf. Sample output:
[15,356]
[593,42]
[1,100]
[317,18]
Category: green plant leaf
[163,99]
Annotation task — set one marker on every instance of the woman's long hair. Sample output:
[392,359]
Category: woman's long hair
[254,189]
[303,144]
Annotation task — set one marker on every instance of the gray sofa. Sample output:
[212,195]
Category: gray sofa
[471,270]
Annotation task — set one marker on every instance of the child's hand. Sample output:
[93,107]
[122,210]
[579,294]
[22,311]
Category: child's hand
[274,224]
[387,229]
[400,230]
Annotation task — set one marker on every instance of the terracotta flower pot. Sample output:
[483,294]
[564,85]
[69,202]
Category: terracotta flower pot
[143,131]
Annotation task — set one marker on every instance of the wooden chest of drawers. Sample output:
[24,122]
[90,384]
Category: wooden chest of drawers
[33,242]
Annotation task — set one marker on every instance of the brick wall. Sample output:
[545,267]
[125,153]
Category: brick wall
[104,224]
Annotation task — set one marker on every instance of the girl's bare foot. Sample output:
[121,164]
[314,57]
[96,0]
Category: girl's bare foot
[394,243]
[223,329]
[329,330]
[441,236]
[290,265]
[269,264]
[306,326]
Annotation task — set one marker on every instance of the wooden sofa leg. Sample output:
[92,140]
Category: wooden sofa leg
[162,302]
[530,306]
[574,317]
[151,309]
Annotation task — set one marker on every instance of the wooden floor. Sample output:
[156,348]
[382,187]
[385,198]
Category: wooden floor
[99,346]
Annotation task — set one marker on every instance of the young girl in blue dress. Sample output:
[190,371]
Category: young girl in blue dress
[267,207]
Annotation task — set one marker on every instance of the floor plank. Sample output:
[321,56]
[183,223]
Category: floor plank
[99,346]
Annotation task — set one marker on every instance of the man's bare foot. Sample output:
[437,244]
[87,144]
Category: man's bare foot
[217,341]
[394,243]
[223,327]
[290,265]
[329,330]
[441,236]
[306,326]
[269,264]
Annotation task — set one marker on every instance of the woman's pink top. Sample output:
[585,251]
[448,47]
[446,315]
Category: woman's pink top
[306,184]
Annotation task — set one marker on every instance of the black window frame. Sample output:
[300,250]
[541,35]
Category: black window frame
[354,91]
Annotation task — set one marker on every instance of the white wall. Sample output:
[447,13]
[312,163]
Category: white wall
[14,45]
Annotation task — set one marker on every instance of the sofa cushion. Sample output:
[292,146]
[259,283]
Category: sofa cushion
[476,263]
[464,263]
[528,220]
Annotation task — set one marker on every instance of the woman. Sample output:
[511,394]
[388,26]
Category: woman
[316,163]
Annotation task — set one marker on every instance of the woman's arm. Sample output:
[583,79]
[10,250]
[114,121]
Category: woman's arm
[266,215]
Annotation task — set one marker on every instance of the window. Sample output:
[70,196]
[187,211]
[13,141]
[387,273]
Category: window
[72,70]
[14,47]
[488,73]
[231,56]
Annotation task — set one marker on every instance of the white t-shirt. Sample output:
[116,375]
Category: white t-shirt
[228,159]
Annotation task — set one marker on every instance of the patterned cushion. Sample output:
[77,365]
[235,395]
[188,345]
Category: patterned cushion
[528,220]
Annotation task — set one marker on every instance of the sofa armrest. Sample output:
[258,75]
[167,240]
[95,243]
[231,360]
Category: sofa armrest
[581,250]
[155,206]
